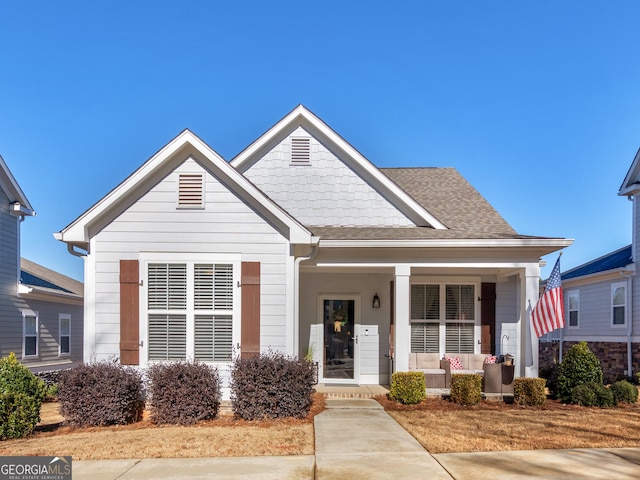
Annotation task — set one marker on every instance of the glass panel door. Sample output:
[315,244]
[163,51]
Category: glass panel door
[340,341]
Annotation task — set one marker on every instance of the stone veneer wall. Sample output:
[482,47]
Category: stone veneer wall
[612,357]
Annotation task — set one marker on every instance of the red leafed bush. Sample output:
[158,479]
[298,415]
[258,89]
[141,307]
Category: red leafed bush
[271,385]
[183,393]
[100,394]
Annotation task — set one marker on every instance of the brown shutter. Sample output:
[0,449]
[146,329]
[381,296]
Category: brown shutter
[488,315]
[250,315]
[129,312]
[392,316]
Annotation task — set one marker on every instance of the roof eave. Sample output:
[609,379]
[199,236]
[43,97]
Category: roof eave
[555,243]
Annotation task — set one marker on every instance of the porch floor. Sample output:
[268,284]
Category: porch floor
[368,391]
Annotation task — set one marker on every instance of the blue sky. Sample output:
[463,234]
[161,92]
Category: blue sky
[536,103]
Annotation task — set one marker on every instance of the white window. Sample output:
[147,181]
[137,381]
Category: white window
[443,315]
[64,334]
[190,308]
[573,302]
[191,190]
[30,334]
[618,303]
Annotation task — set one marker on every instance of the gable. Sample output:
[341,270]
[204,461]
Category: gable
[631,183]
[318,188]
[184,146]
[342,150]
[19,204]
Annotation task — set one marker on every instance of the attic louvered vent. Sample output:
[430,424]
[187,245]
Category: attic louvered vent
[300,151]
[191,190]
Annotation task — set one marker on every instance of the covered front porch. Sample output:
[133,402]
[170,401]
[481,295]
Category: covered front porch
[360,316]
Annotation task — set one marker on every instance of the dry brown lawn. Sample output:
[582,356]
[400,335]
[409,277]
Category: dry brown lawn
[443,427]
[223,437]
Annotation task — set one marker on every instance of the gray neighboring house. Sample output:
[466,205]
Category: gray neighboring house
[602,302]
[41,311]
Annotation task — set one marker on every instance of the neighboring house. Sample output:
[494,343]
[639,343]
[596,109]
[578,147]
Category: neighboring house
[41,311]
[602,302]
[301,244]
[55,306]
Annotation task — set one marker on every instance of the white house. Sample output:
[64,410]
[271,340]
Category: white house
[301,244]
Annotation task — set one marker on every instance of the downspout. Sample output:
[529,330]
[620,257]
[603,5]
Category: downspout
[296,292]
[629,319]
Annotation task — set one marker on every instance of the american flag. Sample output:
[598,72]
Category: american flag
[548,315]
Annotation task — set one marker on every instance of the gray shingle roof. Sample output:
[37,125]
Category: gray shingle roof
[444,193]
[35,275]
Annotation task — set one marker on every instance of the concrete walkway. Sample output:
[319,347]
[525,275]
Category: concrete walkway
[356,438]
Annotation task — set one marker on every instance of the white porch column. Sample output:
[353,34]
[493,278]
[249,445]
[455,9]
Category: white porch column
[402,300]
[530,292]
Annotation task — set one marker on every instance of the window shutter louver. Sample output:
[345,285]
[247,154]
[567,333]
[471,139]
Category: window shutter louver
[300,151]
[191,190]
[425,337]
[129,312]
[459,337]
[167,337]
[250,316]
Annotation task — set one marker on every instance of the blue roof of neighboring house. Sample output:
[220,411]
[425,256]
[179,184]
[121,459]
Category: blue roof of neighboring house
[618,259]
[35,281]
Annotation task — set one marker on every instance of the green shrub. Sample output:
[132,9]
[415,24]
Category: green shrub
[100,394]
[529,391]
[21,396]
[623,391]
[271,385]
[183,392]
[579,365]
[592,394]
[408,387]
[466,389]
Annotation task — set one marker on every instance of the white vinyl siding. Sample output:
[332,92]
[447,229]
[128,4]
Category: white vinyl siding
[153,226]
[573,314]
[64,334]
[171,307]
[443,314]
[30,335]
[618,304]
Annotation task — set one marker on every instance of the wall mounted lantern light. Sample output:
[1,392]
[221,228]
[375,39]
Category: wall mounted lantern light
[376,301]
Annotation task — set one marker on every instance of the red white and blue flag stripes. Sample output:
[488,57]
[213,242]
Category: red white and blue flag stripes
[548,315]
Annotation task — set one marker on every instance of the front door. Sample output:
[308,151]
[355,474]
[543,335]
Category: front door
[340,320]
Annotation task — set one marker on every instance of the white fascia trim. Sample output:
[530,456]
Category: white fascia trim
[383,181]
[615,274]
[24,290]
[554,242]
[391,263]
[20,210]
[10,185]
[628,188]
[77,232]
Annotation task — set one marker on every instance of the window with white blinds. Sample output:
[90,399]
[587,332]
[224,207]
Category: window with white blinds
[433,307]
[425,337]
[190,311]
[459,337]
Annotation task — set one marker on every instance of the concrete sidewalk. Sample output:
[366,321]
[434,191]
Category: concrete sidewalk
[356,438]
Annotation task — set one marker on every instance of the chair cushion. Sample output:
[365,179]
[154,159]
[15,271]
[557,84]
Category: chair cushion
[490,359]
[426,361]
